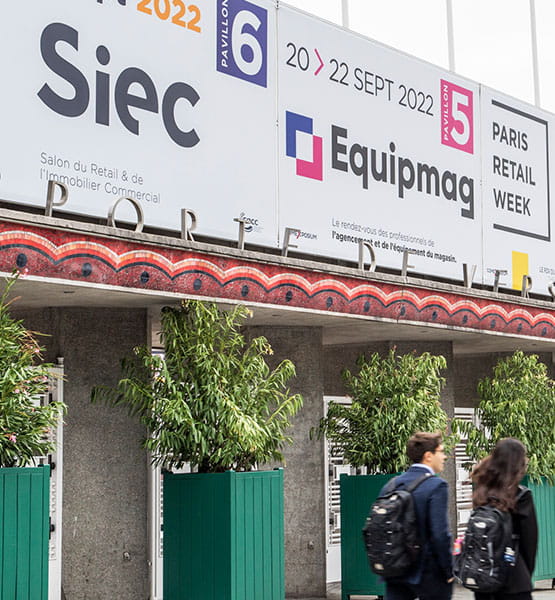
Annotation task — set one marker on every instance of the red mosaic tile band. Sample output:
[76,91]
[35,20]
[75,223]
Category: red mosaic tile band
[59,254]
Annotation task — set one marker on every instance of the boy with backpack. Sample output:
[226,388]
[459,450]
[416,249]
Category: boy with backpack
[430,576]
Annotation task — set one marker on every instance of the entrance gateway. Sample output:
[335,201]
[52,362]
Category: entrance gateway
[334,341]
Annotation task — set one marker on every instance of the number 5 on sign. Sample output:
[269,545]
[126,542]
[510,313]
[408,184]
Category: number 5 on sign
[457,117]
[242,40]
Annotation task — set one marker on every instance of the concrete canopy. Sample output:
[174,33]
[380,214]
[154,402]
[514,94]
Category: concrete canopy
[69,263]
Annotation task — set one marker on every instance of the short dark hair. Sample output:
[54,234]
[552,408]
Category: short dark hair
[422,442]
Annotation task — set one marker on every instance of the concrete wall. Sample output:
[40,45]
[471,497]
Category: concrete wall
[468,370]
[305,543]
[105,470]
[339,358]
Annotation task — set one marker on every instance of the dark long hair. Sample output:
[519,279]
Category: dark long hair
[496,478]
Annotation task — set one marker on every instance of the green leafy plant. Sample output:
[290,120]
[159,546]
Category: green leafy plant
[519,402]
[392,398]
[211,400]
[24,423]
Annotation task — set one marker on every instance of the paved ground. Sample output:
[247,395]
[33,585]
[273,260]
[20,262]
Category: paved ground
[543,592]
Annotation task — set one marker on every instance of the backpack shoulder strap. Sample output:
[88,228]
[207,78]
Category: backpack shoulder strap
[390,486]
[522,491]
[412,486]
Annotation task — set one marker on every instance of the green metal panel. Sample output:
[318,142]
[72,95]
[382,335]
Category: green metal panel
[24,518]
[544,501]
[357,492]
[223,536]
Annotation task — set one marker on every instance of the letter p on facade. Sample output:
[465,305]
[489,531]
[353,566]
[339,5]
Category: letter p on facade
[51,192]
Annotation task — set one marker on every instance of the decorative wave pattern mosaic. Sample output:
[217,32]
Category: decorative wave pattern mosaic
[61,255]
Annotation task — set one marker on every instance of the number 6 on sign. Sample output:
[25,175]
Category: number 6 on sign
[457,117]
[242,40]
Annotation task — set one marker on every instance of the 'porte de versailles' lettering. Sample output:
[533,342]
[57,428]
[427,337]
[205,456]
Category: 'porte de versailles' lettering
[189,224]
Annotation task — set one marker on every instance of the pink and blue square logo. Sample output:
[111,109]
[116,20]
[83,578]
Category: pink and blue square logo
[296,127]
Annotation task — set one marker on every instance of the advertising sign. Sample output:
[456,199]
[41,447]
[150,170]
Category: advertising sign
[249,109]
[517,184]
[170,103]
[375,145]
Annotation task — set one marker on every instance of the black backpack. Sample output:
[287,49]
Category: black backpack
[489,550]
[391,532]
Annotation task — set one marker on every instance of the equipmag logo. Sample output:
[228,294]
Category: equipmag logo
[382,164]
[298,127]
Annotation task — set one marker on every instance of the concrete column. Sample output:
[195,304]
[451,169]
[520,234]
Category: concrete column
[339,358]
[105,470]
[305,543]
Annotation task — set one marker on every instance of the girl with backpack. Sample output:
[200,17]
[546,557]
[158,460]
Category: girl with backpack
[496,482]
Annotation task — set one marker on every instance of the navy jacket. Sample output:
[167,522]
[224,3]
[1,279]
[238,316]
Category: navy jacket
[430,503]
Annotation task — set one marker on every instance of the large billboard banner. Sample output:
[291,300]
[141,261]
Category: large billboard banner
[310,134]
[375,146]
[170,103]
[516,196]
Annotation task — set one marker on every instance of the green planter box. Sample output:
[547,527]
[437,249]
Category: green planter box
[357,492]
[544,501]
[24,530]
[223,536]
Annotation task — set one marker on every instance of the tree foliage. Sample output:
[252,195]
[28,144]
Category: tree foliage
[211,400]
[519,402]
[392,398]
[24,423]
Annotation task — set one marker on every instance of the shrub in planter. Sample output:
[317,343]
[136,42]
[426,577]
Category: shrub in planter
[24,428]
[24,424]
[519,401]
[392,397]
[212,401]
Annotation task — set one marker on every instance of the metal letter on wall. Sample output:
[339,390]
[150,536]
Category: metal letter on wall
[186,229]
[286,240]
[241,238]
[406,265]
[136,205]
[361,246]
[526,286]
[50,191]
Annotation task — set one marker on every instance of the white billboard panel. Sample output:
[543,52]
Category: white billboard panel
[375,145]
[143,98]
[517,184]
[253,109]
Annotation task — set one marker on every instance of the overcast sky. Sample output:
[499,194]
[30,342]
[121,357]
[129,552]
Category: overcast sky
[492,38]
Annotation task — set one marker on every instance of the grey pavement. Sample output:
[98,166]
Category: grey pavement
[542,591]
